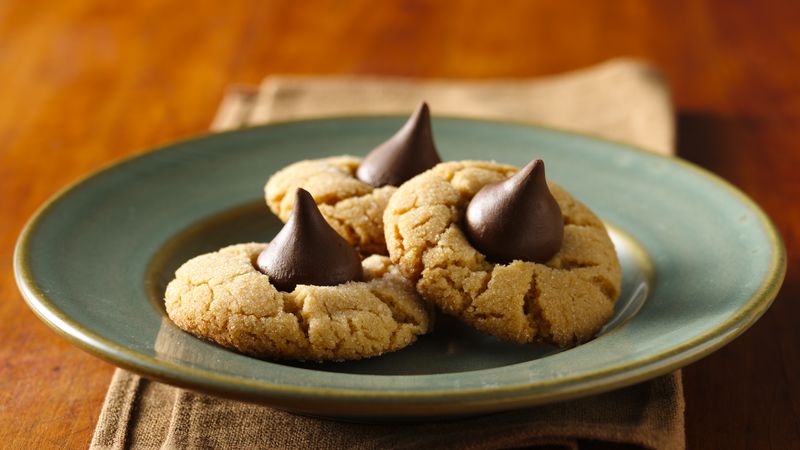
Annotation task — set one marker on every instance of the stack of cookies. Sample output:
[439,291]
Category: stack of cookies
[372,248]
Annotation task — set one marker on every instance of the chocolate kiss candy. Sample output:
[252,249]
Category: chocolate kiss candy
[517,218]
[409,152]
[308,251]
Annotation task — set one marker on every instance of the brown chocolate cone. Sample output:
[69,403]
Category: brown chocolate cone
[516,219]
[409,152]
[308,251]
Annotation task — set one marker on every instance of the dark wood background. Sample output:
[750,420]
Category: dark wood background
[84,83]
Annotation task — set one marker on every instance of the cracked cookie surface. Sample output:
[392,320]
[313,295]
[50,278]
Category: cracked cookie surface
[563,302]
[353,208]
[222,297]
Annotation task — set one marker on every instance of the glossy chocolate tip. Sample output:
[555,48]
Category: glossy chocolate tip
[516,219]
[409,152]
[308,251]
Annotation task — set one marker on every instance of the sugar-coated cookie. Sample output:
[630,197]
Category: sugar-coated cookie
[352,207]
[221,296]
[352,193]
[563,301]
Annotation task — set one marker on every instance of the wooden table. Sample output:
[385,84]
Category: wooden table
[85,83]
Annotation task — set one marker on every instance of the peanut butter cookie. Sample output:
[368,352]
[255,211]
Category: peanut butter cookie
[352,207]
[563,301]
[352,193]
[222,296]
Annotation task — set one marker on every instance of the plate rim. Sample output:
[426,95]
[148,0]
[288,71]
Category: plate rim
[620,375]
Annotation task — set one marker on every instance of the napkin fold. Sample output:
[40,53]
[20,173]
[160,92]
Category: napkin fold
[621,99]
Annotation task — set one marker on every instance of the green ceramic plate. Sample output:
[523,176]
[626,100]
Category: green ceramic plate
[700,262]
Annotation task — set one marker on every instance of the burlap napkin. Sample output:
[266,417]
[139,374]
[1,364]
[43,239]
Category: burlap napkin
[621,99]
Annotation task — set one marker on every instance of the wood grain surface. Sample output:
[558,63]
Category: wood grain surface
[85,83]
